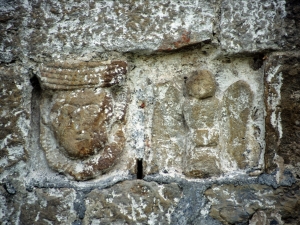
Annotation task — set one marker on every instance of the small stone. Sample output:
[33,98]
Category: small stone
[259,218]
[10,188]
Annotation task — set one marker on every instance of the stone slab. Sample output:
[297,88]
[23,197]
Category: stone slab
[252,26]
[237,204]
[60,29]
[282,98]
[132,202]
[14,117]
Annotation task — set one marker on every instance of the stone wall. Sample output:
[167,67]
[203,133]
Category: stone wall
[149,112]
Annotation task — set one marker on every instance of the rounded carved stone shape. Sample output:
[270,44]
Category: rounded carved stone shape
[82,129]
[201,84]
[79,121]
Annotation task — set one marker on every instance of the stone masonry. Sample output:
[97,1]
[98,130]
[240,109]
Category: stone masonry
[149,112]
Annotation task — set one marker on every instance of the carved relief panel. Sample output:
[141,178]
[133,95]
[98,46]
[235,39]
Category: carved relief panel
[201,111]
[217,128]
[83,116]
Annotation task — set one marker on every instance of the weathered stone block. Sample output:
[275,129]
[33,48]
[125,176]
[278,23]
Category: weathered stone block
[11,14]
[83,27]
[292,28]
[236,204]
[14,118]
[48,206]
[132,202]
[282,98]
[168,130]
[252,26]
[83,116]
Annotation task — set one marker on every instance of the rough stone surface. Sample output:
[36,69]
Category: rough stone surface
[11,14]
[201,164]
[14,117]
[149,112]
[252,26]
[97,26]
[132,202]
[237,204]
[282,77]
[292,30]
[52,206]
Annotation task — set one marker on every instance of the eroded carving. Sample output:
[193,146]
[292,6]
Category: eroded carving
[237,103]
[83,116]
[201,84]
[201,114]
[215,127]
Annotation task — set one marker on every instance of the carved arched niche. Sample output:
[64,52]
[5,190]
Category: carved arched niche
[83,116]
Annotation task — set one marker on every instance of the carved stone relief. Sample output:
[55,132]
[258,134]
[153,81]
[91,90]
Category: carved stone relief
[83,116]
[215,126]
[201,114]
[237,103]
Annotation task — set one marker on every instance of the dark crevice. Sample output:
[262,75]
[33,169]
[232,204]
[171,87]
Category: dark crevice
[35,84]
[139,169]
[35,119]
[257,61]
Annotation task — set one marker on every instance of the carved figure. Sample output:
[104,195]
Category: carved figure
[201,114]
[215,126]
[82,116]
[237,102]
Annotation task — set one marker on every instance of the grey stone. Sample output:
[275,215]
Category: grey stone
[132,202]
[14,116]
[11,14]
[84,27]
[252,26]
[49,206]
[10,188]
[236,204]
[291,37]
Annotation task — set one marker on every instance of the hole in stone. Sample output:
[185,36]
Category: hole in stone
[139,168]
[35,83]
[257,61]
